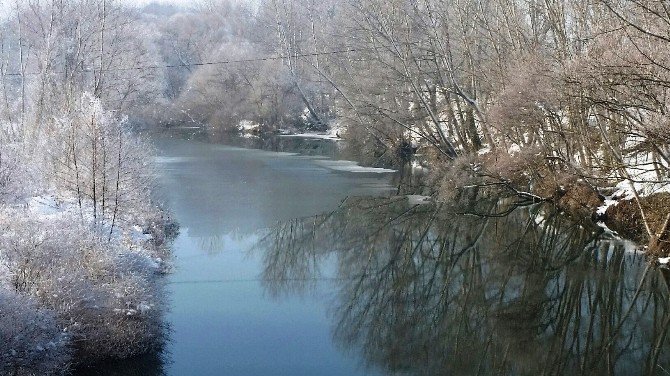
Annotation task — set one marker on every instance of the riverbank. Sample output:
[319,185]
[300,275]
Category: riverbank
[83,246]
[71,296]
[634,210]
[529,174]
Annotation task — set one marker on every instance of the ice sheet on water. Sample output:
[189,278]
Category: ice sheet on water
[318,136]
[167,160]
[418,199]
[351,166]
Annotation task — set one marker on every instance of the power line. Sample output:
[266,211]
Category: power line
[253,280]
[208,63]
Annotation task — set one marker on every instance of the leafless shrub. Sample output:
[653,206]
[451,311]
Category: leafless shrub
[105,294]
[31,339]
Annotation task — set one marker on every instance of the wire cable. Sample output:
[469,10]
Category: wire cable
[201,64]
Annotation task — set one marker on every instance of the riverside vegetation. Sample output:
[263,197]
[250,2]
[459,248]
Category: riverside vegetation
[82,247]
[82,244]
[561,101]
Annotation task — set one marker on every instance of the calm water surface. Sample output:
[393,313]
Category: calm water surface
[223,319]
[286,266]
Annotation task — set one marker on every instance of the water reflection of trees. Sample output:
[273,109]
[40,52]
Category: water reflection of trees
[422,291]
[152,364]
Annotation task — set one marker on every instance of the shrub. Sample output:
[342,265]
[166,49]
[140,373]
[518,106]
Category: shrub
[105,294]
[31,341]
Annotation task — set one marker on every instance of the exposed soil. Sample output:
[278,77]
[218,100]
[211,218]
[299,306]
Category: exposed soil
[625,219]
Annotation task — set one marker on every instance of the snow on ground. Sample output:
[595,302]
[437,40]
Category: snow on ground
[645,187]
[418,199]
[603,208]
[417,166]
[248,126]
[643,177]
[514,149]
[485,150]
[334,133]
[319,136]
[625,189]
[45,205]
[50,207]
[351,166]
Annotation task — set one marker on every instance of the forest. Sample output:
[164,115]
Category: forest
[562,101]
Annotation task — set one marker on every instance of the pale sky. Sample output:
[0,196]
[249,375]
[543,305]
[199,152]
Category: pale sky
[145,2]
[7,6]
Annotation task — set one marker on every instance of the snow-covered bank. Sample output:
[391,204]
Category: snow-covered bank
[70,294]
[103,295]
[82,247]
[418,200]
[333,133]
[351,166]
[316,136]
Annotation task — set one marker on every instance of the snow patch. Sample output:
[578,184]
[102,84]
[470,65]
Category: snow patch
[417,166]
[603,208]
[514,149]
[485,150]
[317,136]
[248,126]
[351,166]
[644,176]
[418,199]
[44,205]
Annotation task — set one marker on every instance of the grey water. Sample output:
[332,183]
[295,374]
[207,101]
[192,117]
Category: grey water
[223,320]
[286,266]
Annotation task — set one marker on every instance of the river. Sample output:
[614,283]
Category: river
[295,264]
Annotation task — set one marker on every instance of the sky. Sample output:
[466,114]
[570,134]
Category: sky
[175,2]
[145,2]
[8,6]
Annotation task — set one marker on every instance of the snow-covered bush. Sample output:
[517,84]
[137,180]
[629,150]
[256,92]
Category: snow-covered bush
[82,246]
[31,341]
[18,177]
[5,273]
[105,294]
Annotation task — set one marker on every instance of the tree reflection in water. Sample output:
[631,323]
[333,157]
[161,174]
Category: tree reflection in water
[520,290]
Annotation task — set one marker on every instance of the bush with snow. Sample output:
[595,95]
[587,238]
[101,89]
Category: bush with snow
[31,341]
[105,294]
[18,175]
[82,246]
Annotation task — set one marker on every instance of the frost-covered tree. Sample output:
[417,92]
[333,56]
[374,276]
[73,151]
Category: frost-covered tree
[99,163]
